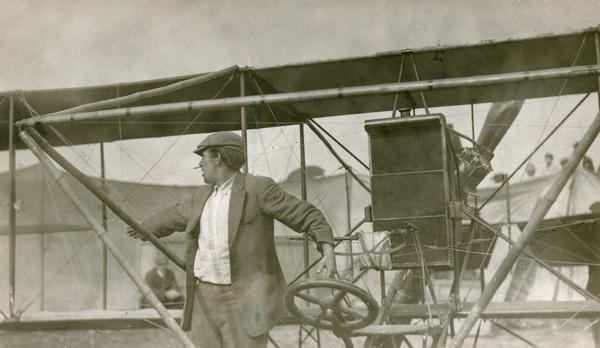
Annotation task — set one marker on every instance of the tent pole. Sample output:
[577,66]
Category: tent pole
[104,225]
[61,180]
[304,196]
[508,217]
[323,94]
[597,44]
[541,208]
[103,196]
[151,93]
[42,239]
[348,188]
[12,222]
[243,120]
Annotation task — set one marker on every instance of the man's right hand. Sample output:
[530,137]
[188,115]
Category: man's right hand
[133,233]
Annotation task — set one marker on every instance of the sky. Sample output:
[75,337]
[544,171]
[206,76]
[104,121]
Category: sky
[53,44]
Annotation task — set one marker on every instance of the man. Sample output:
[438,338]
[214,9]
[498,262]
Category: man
[234,284]
[162,282]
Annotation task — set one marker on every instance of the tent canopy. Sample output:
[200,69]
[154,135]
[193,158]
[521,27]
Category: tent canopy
[440,62]
[576,198]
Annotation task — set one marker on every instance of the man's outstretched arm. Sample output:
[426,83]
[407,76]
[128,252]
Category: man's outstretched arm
[302,217]
[165,222]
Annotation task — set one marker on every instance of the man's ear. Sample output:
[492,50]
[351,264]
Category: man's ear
[219,159]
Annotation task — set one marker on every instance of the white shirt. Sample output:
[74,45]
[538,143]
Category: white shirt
[553,169]
[212,258]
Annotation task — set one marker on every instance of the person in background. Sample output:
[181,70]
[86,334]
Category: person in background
[551,167]
[162,282]
[586,163]
[530,170]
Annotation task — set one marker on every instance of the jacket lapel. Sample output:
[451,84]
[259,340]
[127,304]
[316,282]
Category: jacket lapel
[198,207]
[236,206]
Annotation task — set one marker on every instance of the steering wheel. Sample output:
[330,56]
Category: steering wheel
[335,312]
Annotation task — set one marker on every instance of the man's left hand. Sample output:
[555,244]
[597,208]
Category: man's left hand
[327,263]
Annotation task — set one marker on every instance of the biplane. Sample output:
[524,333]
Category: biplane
[422,187]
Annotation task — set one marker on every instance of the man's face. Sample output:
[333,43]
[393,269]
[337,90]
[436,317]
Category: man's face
[209,165]
[548,160]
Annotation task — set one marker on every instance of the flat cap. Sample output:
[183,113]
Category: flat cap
[221,139]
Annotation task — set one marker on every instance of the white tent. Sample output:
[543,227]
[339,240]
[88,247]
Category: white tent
[531,282]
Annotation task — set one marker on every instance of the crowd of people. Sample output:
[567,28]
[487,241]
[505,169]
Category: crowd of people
[550,167]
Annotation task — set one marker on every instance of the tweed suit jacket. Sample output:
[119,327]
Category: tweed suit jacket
[257,279]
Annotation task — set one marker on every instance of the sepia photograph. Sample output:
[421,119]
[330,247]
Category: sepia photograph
[261,173]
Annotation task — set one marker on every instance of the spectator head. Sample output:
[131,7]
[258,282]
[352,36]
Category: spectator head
[530,170]
[499,177]
[161,261]
[563,162]
[548,158]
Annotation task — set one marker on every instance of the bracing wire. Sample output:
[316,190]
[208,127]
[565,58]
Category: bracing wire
[560,92]
[82,157]
[259,90]
[188,126]
[60,270]
[542,142]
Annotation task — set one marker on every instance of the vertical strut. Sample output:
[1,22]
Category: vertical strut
[304,193]
[105,225]
[243,120]
[12,221]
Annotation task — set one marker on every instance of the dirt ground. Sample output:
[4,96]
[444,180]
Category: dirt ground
[574,334]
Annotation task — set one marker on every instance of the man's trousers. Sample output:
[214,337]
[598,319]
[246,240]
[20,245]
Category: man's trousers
[216,321]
